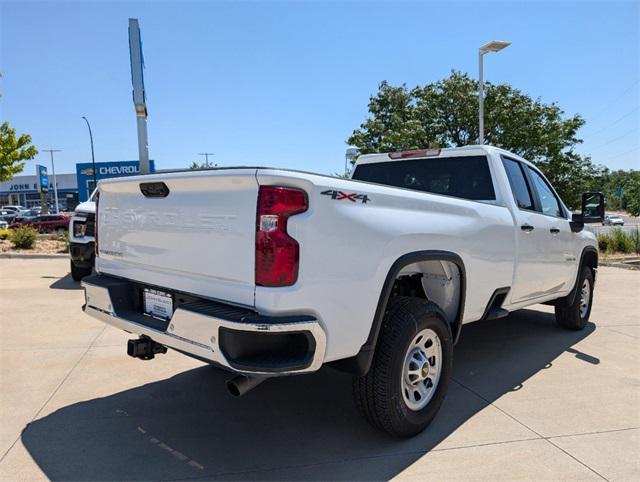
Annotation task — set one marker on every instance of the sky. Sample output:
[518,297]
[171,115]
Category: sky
[284,84]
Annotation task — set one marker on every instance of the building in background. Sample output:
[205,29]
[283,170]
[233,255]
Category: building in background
[72,188]
[24,191]
[106,170]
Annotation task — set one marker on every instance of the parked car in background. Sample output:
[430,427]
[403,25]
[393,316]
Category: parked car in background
[46,223]
[613,220]
[81,239]
[14,208]
[26,216]
[7,216]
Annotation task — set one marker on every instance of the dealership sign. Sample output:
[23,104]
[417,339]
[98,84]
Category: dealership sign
[104,170]
[43,179]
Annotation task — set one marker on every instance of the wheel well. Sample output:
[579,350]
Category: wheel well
[590,259]
[435,280]
[426,274]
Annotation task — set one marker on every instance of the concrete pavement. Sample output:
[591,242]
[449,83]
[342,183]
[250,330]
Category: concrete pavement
[529,400]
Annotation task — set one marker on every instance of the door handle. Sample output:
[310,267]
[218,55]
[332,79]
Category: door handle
[554,230]
[527,228]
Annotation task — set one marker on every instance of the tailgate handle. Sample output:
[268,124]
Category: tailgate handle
[154,189]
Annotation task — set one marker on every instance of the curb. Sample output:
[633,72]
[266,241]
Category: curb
[620,265]
[33,256]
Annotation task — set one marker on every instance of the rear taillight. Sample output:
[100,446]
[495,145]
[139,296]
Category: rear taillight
[277,253]
[95,234]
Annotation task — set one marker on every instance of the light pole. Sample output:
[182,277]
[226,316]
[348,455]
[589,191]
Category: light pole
[93,157]
[351,155]
[206,157]
[53,170]
[493,46]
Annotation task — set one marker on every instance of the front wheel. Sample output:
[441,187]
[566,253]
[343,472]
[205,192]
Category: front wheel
[576,315]
[409,376]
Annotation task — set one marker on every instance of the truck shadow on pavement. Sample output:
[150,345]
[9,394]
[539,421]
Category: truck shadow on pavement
[64,283]
[303,427]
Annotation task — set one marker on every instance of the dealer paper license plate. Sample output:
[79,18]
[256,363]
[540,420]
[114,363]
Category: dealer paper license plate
[158,304]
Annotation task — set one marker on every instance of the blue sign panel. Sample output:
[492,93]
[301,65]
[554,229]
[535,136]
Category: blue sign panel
[105,170]
[43,179]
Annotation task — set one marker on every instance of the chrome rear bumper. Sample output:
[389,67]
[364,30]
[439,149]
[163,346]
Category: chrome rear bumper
[198,334]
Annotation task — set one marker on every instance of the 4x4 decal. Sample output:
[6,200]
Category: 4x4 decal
[339,196]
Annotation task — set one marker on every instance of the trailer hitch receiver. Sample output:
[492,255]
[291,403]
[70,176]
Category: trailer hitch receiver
[144,348]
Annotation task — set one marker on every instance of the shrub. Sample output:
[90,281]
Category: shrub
[635,239]
[621,242]
[604,242]
[64,237]
[4,234]
[23,237]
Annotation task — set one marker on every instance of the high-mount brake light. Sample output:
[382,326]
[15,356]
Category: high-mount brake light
[277,253]
[414,154]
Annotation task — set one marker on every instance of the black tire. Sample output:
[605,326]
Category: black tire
[379,393]
[569,316]
[77,272]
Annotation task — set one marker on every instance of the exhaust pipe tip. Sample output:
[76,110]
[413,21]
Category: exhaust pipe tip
[242,384]
[233,388]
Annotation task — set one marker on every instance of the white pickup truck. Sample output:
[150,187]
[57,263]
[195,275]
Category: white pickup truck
[81,239]
[268,272]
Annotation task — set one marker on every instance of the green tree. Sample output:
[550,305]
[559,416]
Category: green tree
[621,189]
[445,114]
[631,196]
[14,150]
[204,165]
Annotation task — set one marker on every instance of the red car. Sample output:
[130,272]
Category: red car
[46,223]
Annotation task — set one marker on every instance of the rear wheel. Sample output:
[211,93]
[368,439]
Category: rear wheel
[576,315]
[77,272]
[411,368]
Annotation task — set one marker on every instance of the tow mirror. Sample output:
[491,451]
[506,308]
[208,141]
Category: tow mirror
[592,211]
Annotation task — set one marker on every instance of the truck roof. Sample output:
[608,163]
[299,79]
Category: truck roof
[434,152]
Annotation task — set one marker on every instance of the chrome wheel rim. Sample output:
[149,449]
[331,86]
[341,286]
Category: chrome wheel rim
[585,298]
[421,370]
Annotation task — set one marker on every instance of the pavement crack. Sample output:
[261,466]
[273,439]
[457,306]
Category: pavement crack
[54,392]
[547,439]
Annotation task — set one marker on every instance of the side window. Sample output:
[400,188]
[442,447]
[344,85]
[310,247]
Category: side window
[518,184]
[548,200]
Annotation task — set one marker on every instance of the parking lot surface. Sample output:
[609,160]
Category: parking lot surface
[528,400]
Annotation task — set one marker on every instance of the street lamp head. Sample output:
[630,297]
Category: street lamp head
[494,46]
[352,153]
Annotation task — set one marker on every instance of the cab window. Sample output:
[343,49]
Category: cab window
[549,203]
[518,183]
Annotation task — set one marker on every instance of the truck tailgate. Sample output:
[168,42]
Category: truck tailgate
[199,239]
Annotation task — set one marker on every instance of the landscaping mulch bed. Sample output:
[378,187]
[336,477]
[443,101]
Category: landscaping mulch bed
[42,246]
